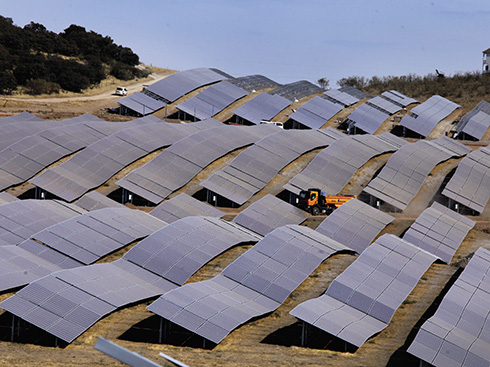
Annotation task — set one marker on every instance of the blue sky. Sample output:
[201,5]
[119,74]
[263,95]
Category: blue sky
[283,40]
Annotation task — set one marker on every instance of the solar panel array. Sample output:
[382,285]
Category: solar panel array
[66,303]
[355,224]
[89,237]
[262,107]
[5,198]
[337,96]
[440,231]
[354,92]
[253,168]
[296,90]
[334,166]
[176,85]
[476,122]
[398,98]
[269,213]
[182,206]
[26,157]
[371,115]
[100,161]
[212,100]
[95,200]
[316,112]
[458,333]
[21,219]
[404,173]
[20,117]
[361,301]
[423,118]
[29,261]
[255,284]
[254,82]
[470,184]
[141,103]
[178,164]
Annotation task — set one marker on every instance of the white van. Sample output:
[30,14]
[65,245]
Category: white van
[121,91]
[275,123]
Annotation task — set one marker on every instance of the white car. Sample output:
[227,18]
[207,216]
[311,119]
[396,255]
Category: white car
[121,91]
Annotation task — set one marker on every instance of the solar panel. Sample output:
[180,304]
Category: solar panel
[439,231]
[424,118]
[333,167]
[21,219]
[141,103]
[20,117]
[26,157]
[182,206]
[95,200]
[269,213]
[404,173]
[476,122]
[368,118]
[254,284]
[457,334]
[354,224]
[470,183]
[296,90]
[212,100]
[98,162]
[361,301]
[178,164]
[5,198]
[176,85]
[316,112]
[254,82]
[398,98]
[253,168]
[66,303]
[263,107]
[343,98]
[89,237]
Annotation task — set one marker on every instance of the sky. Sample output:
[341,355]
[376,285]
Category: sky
[284,40]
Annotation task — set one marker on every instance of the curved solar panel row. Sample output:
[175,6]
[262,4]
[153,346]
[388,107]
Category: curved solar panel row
[404,173]
[182,206]
[21,219]
[89,237]
[94,200]
[212,100]
[476,122]
[178,164]
[296,90]
[361,301]
[141,103]
[354,224]
[269,213]
[72,243]
[470,184]
[252,83]
[255,284]
[440,231]
[398,98]
[423,118]
[458,333]
[100,161]
[334,166]
[25,158]
[371,115]
[256,166]
[316,112]
[20,117]
[66,303]
[337,96]
[6,198]
[176,85]
[262,107]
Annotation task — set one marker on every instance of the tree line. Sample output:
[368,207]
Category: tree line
[46,62]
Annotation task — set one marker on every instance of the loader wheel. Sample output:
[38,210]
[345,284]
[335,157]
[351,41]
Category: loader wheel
[315,210]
